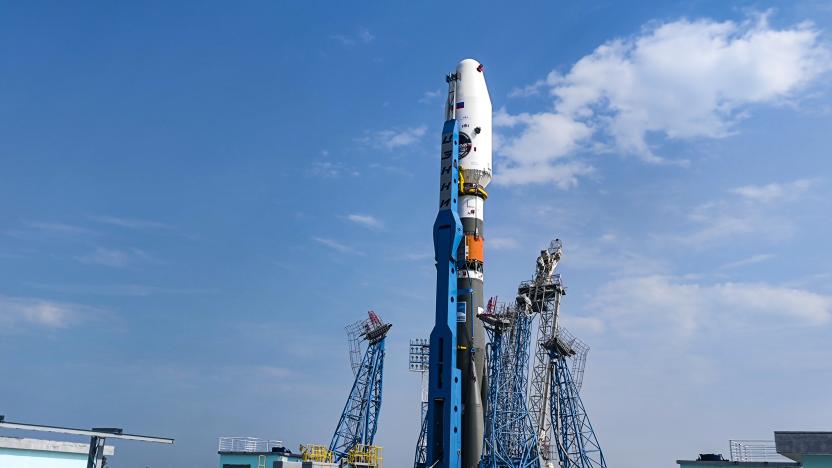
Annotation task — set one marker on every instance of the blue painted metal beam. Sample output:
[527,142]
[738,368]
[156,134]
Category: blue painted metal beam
[445,389]
[577,444]
[359,419]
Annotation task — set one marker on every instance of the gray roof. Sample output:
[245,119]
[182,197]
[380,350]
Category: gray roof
[41,445]
[796,444]
[727,463]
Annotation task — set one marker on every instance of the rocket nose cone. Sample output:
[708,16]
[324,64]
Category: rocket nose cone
[471,79]
[465,63]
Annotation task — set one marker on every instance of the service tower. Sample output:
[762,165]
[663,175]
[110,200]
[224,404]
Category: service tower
[471,106]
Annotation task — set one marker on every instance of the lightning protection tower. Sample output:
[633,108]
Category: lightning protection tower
[359,420]
[420,362]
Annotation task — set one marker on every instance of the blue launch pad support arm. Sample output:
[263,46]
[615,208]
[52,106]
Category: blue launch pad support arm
[445,386]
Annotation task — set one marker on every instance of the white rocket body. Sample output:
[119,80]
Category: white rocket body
[473,112]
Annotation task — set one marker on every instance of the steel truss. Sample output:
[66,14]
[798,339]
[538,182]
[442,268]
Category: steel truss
[419,362]
[509,440]
[564,434]
[359,420]
[577,445]
[545,291]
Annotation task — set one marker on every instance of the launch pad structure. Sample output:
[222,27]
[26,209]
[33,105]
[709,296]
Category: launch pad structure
[480,407]
[353,439]
[483,411]
[509,436]
[419,362]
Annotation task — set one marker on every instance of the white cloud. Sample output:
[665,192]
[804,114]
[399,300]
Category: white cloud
[716,221]
[528,90]
[114,257]
[582,325]
[611,258]
[678,80]
[546,136]
[118,289]
[775,191]
[752,213]
[337,246]
[331,170]
[752,260]
[430,96]
[416,256]
[130,223]
[273,372]
[367,221]
[501,243]
[395,138]
[58,228]
[564,176]
[641,305]
[16,312]
[362,36]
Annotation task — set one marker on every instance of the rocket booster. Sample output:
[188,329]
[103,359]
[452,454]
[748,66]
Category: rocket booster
[470,105]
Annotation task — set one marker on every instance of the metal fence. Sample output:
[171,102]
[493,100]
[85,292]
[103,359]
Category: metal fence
[247,444]
[755,451]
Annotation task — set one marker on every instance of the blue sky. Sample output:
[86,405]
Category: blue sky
[196,198]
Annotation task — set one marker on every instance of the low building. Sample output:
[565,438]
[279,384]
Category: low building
[18,452]
[251,452]
[715,460]
[810,449]
[789,449]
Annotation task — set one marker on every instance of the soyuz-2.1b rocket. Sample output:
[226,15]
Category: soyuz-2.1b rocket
[473,113]
[457,355]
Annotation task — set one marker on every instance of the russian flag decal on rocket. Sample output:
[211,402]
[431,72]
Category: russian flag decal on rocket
[460,105]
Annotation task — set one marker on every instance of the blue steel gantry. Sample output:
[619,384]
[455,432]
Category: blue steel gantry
[359,420]
[509,440]
[575,440]
[564,434]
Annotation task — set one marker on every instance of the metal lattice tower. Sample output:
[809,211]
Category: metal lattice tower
[509,440]
[419,362]
[357,344]
[579,351]
[544,291]
[359,420]
[575,440]
[563,430]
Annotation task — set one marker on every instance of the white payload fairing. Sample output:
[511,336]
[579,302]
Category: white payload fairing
[473,112]
[470,105]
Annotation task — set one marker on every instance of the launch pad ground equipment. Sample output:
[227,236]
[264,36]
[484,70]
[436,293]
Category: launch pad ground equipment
[359,420]
[316,453]
[364,456]
[545,291]
[419,361]
[510,440]
[564,434]
[576,443]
